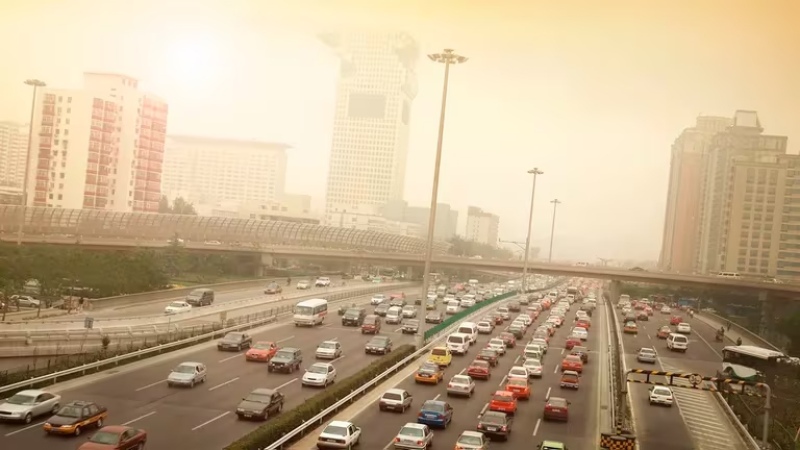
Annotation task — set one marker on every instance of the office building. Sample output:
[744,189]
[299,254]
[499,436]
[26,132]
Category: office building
[13,148]
[376,87]
[291,208]
[371,218]
[482,227]
[446,217]
[99,147]
[208,171]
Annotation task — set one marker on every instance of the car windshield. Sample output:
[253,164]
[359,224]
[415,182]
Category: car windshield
[177,304]
[460,379]
[21,399]
[335,430]
[488,352]
[648,351]
[105,437]
[533,363]
[185,369]
[258,398]
[497,342]
[70,411]
[662,391]
[484,324]
[411,431]
[233,337]
[412,323]
[439,352]
[557,402]
[517,382]
[392,396]
[317,368]
[630,324]
[493,418]
[428,367]
[570,378]
[377,341]
[284,354]
[303,310]
[330,345]
[480,364]
[503,397]
[433,406]
[262,345]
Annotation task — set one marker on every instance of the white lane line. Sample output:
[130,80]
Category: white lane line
[437,397]
[517,360]
[232,380]
[285,384]
[334,339]
[25,429]
[210,421]
[337,359]
[138,418]
[150,385]
[483,410]
[555,369]
[398,330]
[389,445]
[563,350]
[547,396]
[462,371]
[284,339]
[503,381]
[230,357]
[536,428]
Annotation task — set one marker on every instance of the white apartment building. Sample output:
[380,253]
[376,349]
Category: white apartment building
[368,217]
[100,147]
[482,227]
[371,124]
[13,148]
[208,171]
[291,208]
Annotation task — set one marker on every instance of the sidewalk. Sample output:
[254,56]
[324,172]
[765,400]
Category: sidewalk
[730,335]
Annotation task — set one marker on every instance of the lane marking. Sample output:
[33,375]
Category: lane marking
[25,429]
[437,397]
[516,361]
[536,428]
[138,418]
[563,350]
[284,339]
[462,371]
[232,380]
[555,369]
[285,384]
[337,359]
[334,339]
[483,411]
[547,396]
[231,357]
[210,421]
[150,385]
[389,445]
[398,330]
[503,381]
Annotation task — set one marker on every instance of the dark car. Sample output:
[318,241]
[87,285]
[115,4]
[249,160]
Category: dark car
[273,288]
[75,417]
[371,325]
[116,437]
[434,317]
[514,306]
[643,316]
[495,424]
[286,360]
[378,345]
[488,355]
[397,301]
[518,332]
[235,341]
[581,352]
[382,309]
[354,317]
[410,326]
[509,339]
[347,276]
[260,404]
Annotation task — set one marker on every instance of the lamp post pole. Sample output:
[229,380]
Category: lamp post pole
[447,57]
[23,210]
[555,203]
[535,171]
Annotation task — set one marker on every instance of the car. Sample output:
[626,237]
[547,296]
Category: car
[186,374]
[115,437]
[339,434]
[643,316]
[630,328]
[261,351]
[395,400]
[485,327]
[489,355]
[543,335]
[472,440]
[581,352]
[519,387]
[498,319]
[329,350]
[273,288]
[354,316]
[675,320]
[495,424]
[260,404]
[319,375]
[508,339]
[322,282]
[503,311]
[580,333]
[414,436]
[435,413]
[434,317]
[570,379]
[517,331]
[399,302]
[430,304]
[382,309]
[429,373]
[178,307]
[377,299]
[572,362]
[518,372]
[235,341]
[497,345]
[303,285]
[661,395]
[552,445]
[461,385]
[665,310]
[74,417]
[409,312]
[683,328]
[572,341]
[287,360]
[479,369]
[26,405]
[664,332]
[534,368]
[378,345]
[371,324]
[411,326]
[647,355]
[441,356]
[503,401]
[556,408]
[514,306]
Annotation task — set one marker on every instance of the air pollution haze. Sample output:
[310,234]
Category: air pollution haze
[593,93]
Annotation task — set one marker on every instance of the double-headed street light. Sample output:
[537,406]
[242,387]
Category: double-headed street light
[21,225]
[555,203]
[535,171]
[448,57]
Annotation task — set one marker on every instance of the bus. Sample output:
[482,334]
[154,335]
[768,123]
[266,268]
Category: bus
[310,313]
[572,290]
[750,363]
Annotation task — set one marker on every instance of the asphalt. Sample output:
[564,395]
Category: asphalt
[529,428]
[697,420]
[202,418]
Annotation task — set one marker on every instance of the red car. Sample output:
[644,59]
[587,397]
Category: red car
[498,319]
[572,362]
[675,320]
[572,341]
[261,351]
[116,437]
[556,408]
[503,401]
[371,325]
[509,339]
[479,369]
[519,387]
[585,324]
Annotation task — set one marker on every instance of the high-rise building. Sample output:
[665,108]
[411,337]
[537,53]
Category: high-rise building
[13,148]
[209,170]
[682,218]
[376,86]
[100,147]
[446,217]
[482,227]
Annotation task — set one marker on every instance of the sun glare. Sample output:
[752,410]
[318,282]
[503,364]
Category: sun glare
[193,61]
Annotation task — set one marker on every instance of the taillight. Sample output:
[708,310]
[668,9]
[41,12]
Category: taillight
[503,428]
[480,427]
[449,385]
[420,415]
[419,442]
[397,439]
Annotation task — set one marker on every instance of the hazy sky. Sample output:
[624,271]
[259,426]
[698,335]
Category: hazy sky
[592,92]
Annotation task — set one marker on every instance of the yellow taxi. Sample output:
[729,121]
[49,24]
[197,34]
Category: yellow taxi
[441,356]
[429,373]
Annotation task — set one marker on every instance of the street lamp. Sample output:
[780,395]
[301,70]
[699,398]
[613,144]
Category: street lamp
[535,171]
[447,57]
[36,85]
[555,203]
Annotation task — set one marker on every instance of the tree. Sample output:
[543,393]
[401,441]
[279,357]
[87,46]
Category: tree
[163,205]
[179,206]
[789,326]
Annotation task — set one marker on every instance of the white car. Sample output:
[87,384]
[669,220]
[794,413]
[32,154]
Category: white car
[24,406]
[524,318]
[461,385]
[414,436]
[485,327]
[177,308]
[377,299]
[661,395]
[665,310]
[303,285]
[518,372]
[213,243]
[339,433]
[497,345]
[467,302]
[322,282]
[329,350]
[580,333]
[534,367]
[320,375]
[683,328]
[541,343]
[409,311]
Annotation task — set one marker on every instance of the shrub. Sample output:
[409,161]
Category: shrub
[267,434]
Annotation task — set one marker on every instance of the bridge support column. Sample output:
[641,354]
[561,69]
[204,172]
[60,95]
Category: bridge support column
[765,323]
[267,262]
[409,271]
[614,290]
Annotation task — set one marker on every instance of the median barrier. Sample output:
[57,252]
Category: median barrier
[739,330]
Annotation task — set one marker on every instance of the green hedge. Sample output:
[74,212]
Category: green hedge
[265,435]
[457,317]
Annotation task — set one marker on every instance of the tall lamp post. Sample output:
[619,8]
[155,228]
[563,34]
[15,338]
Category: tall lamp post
[21,225]
[448,57]
[555,203]
[535,171]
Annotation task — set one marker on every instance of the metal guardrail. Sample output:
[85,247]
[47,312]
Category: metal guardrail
[741,330]
[623,421]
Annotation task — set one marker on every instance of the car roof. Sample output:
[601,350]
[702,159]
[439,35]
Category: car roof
[414,425]
[190,363]
[472,433]
[115,428]
[263,391]
[570,372]
[394,391]
[33,392]
[339,423]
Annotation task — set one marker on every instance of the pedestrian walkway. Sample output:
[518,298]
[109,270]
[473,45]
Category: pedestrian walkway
[730,335]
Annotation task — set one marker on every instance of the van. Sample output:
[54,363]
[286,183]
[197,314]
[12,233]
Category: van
[200,297]
[452,306]
[394,315]
[470,329]
[458,343]
[354,317]
[677,342]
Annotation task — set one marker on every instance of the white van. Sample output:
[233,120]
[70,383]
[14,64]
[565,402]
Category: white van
[470,329]
[468,301]
[394,315]
[677,342]
[452,306]
[553,294]
[458,343]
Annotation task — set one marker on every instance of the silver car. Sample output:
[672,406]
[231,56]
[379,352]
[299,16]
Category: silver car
[414,436]
[187,374]
[461,385]
[320,375]
[647,355]
[25,405]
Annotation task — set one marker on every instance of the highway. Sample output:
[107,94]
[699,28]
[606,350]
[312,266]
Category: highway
[697,420]
[202,417]
[529,428]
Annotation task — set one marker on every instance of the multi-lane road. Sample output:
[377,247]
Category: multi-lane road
[202,417]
